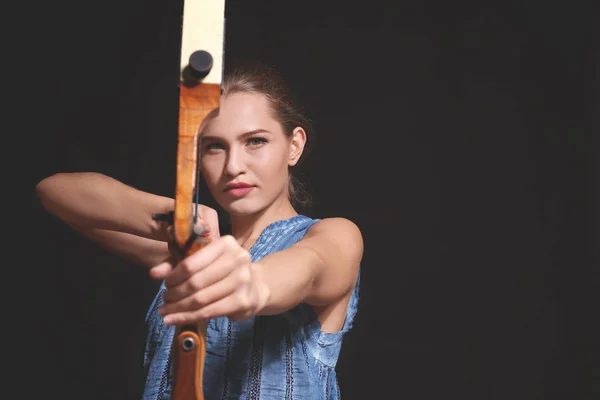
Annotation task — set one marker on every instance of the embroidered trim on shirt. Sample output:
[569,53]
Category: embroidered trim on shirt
[226,378]
[289,366]
[254,380]
[303,343]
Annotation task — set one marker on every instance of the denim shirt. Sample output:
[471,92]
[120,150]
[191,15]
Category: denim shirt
[274,357]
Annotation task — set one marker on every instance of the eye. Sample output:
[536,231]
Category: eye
[214,146]
[257,141]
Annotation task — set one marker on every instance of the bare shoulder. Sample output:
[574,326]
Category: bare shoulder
[337,226]
[339,232]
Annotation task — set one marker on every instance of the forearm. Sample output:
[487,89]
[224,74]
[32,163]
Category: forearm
[139,250]
[97,201]
[319,270]
[285,280]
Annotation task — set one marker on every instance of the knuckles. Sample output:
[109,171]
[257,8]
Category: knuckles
[243,257]
[238,254]
[199,299]
[243,276]
[237,261]
[230,242]
[186,266]
[244,301]
[195,284]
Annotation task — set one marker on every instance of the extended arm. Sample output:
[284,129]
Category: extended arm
[116,216]
[221,280]
[318,270]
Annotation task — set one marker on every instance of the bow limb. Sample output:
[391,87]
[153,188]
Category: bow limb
[199,94]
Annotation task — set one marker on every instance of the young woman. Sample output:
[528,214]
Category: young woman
[279,292]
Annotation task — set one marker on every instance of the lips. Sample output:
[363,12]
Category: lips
[238,189]
[238,185]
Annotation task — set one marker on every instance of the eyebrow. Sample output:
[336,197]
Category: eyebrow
[241,136]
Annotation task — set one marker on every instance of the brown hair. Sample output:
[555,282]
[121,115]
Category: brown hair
[253,77]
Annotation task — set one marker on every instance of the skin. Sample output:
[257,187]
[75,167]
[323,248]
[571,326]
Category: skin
[242,143]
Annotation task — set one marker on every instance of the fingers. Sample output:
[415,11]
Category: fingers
[162,270]
[190,265]
[232,306]
[207,223]
[201,280]
[202,259]
[215,279]
[211,217]
[199,299]
[201,228]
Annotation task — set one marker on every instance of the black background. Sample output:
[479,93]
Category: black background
[455,134]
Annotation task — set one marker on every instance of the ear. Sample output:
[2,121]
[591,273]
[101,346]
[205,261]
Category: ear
[297,143]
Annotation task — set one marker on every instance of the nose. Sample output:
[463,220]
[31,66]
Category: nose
[235,164]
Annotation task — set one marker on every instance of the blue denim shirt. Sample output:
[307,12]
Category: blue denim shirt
[275,357]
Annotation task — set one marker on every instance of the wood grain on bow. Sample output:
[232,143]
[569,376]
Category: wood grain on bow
[200,88]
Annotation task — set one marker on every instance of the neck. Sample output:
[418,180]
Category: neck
[247,228]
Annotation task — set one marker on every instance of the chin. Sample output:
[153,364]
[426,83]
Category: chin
[241,208]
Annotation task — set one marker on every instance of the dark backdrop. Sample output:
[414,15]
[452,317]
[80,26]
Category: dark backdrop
[456,135]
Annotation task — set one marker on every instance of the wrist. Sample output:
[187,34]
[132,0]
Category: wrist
[263,293]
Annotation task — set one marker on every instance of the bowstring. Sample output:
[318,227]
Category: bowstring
[193,236]
[197,187]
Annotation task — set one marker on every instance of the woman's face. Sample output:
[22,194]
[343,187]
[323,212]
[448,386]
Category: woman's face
[245,154]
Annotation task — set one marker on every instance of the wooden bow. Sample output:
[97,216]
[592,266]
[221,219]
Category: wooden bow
[202,51]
